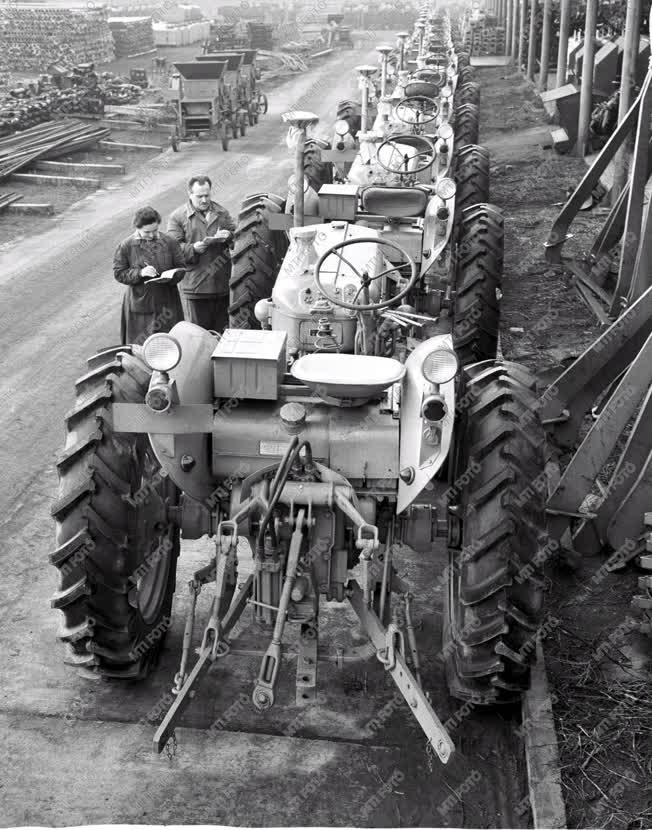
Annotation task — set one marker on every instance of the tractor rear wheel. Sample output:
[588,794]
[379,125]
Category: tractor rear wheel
[116,547]
[495,586]
[468,93]
[471,176]
[476,311]
[642,600]
[467,129]
[466,74]
[317,171]
[256,257]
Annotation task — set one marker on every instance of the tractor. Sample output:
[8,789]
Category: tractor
[368,411]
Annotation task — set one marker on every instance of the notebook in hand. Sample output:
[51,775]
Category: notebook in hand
[168,276]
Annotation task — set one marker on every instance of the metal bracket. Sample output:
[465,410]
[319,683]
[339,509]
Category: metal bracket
[387,655]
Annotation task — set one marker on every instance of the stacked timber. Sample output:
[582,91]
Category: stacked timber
[49,140]
[34,36]
[131,35]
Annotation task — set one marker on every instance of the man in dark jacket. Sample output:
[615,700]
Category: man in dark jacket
[204,229]
[148,307]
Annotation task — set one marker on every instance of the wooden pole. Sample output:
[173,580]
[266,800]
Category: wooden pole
[627,82]
[515,19]
[521,35]
[564,33]
[586,90]
[545,44]
[532,45]
[508,27]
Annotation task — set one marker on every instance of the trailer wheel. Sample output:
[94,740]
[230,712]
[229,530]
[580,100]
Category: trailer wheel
[471,177]
[478,276]
[256,257]
[226,130]
[243,127]
[116,548]
[467,129]
[495,588]
[263,104]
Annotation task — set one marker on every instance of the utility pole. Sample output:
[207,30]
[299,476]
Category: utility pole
[627,82]
[586,90]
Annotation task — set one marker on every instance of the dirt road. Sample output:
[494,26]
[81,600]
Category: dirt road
[79,752]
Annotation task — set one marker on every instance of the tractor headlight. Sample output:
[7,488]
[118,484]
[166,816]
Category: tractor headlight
[341,127]
[445,188]
[445,132]
[440,366]
[446,92]
[161,352]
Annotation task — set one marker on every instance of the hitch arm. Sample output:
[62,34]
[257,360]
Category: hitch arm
[205,660]
[416,698]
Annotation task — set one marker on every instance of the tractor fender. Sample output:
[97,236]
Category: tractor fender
[436,234]
[422,450]
[193,378]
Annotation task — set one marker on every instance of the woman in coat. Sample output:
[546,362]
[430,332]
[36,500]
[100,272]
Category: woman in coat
[147,253]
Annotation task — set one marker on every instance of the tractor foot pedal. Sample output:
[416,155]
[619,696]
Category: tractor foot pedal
[307,664]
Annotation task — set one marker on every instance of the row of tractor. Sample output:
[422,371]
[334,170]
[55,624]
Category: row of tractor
[218,93]
[355,404]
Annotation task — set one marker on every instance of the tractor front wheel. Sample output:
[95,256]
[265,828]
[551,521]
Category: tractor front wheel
[494,594]
[116,547]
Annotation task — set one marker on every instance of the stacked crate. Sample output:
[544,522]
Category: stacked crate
[131,35]
[166,34]
[261,36]
[483,37]
[34,36]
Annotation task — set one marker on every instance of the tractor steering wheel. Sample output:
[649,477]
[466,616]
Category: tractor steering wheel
[364,278]
[423,106]
[427,150]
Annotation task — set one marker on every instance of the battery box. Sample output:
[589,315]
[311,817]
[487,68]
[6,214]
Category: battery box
[249,364]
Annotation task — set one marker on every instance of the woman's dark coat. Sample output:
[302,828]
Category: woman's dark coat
[147,308]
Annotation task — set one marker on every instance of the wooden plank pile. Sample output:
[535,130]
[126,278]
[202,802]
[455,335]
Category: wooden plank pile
[49,140]
[34,36]
[131,35]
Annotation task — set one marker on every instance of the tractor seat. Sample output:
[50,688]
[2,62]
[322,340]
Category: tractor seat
[430,76]
[422,89]
[394,202]
[347,376]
